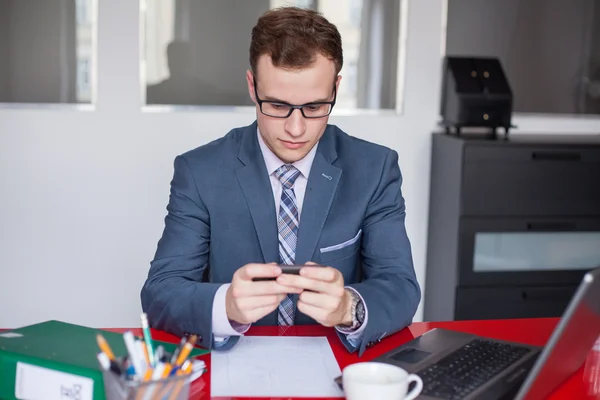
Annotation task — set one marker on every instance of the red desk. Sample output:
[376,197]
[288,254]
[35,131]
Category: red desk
[531,331]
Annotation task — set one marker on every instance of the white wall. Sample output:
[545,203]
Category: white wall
[83,193]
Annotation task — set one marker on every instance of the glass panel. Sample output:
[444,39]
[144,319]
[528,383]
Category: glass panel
[549,49]
[46,51]
[196,51]
[534,251]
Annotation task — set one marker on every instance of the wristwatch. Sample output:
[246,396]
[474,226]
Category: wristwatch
[357,311]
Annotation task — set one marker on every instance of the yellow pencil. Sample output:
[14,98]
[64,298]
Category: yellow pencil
[145,351]
[167,387]
[185,352]
[103,344]
[167,372]
[148,375]
[186,368]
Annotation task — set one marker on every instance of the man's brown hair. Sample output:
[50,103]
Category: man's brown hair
[293,37]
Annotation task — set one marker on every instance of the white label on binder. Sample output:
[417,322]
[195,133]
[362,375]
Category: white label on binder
[10,335]
[35,383]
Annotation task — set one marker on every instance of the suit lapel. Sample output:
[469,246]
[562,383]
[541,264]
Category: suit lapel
[320,190]
[254,181]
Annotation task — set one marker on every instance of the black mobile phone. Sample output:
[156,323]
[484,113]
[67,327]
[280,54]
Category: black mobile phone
[286,269]
[291,269]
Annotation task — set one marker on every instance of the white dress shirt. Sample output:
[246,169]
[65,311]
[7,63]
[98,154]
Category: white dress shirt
[222,326]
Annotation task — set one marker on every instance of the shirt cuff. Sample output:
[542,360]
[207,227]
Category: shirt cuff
[222,326]
[355,334]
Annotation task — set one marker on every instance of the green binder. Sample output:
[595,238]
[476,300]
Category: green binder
[58,347]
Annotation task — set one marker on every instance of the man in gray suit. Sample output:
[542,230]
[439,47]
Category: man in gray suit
[287,189]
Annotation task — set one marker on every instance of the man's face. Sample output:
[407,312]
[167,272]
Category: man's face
[293,137]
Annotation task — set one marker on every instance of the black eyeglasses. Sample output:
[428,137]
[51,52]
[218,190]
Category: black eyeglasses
[278,109]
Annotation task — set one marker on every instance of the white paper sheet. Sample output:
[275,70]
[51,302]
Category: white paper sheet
[280,366]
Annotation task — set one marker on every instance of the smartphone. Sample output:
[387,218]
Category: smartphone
[291,269]
[286,269]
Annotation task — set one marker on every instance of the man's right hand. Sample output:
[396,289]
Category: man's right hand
[248,301]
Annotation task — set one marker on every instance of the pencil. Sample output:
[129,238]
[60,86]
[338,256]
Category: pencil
[186,369]
[103,344]
[185,352]
[148,339]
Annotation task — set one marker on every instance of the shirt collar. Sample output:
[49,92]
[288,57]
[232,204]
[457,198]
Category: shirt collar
[273,162]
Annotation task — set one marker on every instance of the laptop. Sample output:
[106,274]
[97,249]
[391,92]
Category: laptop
[456,365]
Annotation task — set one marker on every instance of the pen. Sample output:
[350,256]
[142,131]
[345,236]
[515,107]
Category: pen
[130,372]
[103,344]
[108,364]
[156,375]
[133,353]
[160,353]
[178,350]
[148,339]
[104,361]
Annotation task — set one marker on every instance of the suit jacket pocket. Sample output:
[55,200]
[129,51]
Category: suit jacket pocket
[340,250]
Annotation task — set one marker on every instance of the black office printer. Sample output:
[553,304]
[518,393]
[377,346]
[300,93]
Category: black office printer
[475,93]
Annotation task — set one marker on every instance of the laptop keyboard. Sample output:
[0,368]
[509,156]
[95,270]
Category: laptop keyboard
[467,368]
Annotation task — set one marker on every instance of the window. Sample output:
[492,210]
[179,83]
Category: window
[196,52]
[355,9]
[83,78]
[41,45]
[312,4]
[351,78]
[83,11]
[549,49]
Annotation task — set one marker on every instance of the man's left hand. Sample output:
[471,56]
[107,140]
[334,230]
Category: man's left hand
[324,297]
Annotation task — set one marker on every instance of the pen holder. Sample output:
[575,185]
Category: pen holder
[591,371]
[176,387]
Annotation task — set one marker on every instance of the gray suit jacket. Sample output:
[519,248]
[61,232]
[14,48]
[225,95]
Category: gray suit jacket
[221,216]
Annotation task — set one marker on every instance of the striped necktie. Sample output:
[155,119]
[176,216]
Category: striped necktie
[287,225]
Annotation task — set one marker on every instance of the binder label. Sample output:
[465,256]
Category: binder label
[10,335]
[35,382]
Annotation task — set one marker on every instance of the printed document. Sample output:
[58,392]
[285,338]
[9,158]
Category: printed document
[280,366]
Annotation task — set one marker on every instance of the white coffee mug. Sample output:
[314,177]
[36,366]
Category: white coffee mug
[381,381]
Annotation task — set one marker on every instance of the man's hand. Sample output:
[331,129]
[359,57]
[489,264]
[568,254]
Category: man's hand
[323,297]
[247,301]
